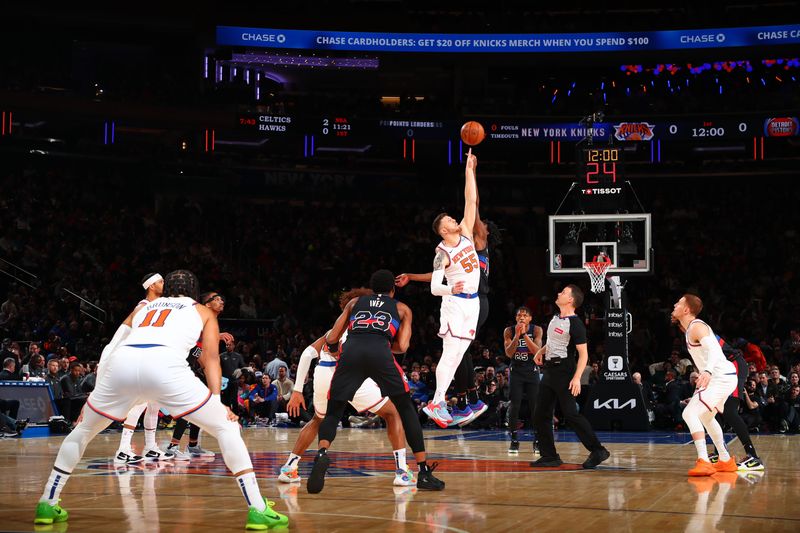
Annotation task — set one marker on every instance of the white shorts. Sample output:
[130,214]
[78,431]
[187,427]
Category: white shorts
[459,317]
[157,374]
[714,395]
[368,397]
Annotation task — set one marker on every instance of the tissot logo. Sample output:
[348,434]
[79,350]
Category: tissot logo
[607,190]
[613,403]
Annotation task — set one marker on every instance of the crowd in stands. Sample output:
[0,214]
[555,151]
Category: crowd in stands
[282,265]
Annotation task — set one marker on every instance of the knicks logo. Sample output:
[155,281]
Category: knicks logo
[633,131]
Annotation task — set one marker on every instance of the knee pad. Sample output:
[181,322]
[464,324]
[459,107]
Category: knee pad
[693,415]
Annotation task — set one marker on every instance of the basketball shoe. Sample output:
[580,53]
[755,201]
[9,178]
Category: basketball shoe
[49,514]
[514,446]
[596,457]
[316,480]
[157,454]
[265,519]
[751,464]
[438,413]
[404,478]
[702,468]
[180,455]
[726,466]
[127,457]
[478,408]
[461,417]
[289,474]
[197,451]
[427,481]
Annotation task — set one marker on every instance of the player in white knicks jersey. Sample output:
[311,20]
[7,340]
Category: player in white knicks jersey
[367,398]
[153,283]
[150,365]
[457,261]
[716,382]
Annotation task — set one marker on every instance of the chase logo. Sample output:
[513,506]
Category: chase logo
[698,38]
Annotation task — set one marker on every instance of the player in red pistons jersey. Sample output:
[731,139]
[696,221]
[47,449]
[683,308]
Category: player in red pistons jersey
[368,397]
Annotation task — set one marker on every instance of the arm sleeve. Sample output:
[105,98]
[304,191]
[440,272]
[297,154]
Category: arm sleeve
[437,287]
[715,359]
[120,335]
[302,367]
[577,331]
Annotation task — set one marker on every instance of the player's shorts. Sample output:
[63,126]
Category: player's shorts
[366,356]
[459,317]
[157,374]
[368,397]
[714,395]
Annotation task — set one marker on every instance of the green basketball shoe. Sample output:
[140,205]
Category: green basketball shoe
[265,519]
[49,514]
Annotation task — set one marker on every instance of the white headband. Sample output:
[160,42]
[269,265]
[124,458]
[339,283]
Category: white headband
[152,279]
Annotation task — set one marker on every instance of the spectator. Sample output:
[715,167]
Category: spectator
[71,390]
[230,361]
[419,390]
[35,367]
[676,362]
[63,366]
[264,399]
[90,379]
[9,370]
[285,387]
[669,407]
[792,418]
[275,364]
[750,409]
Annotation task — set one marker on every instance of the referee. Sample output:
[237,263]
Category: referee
[566,342]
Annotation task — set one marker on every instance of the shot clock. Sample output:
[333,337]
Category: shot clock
[601,166]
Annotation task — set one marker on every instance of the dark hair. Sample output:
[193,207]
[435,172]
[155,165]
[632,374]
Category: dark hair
[353,293]
[437,222]
[694,303]
[494,238]
[382,281]
[204,296]
[577,294]
[523,308]
[181,283]
[148,276]
[74,364]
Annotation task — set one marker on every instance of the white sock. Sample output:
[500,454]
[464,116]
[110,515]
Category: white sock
[125,440]
[149,438]
[702,450]
[400,459]
[717,437]
[293,460]
[249,486]
[52,490]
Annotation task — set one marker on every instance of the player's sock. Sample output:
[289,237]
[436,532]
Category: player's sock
[52,489]
[514,435]
[423,466]
[750,450]
[717,437]
[472,396]
[702,450]
[293,460]
[462,401]
[192,443]
[125,440]
[149,438]
[400,459]
[249,487]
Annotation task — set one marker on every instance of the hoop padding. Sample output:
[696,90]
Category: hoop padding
[597,274]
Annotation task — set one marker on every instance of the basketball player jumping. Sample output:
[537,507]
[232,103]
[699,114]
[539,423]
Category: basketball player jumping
[469,406]
[378,326]
[368,397]
[457,261]
[153,283]
[151,365]
[716,383]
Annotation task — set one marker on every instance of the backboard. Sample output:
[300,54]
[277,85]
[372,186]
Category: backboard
[626,239]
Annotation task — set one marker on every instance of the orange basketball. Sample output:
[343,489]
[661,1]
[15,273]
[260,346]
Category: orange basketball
[472,133]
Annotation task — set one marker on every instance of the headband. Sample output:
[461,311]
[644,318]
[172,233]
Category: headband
[152,279]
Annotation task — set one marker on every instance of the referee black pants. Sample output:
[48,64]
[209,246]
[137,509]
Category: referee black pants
[555,388]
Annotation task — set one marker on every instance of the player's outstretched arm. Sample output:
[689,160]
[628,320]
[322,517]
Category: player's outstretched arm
[403,279]
[470,196]
[209,359]
[403,337]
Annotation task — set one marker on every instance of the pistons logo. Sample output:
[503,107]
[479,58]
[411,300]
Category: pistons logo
[633,131]
[781,127]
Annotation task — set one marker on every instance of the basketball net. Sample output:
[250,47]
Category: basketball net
[597,274]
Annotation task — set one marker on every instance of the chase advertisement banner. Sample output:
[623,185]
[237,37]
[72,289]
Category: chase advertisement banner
[508,43]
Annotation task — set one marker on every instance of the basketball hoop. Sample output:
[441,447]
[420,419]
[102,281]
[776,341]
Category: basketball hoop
[597,274]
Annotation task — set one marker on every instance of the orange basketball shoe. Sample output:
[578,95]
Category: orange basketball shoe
[702,468]
[727,466]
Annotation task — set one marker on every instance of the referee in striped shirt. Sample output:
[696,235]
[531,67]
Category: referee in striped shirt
[564,355]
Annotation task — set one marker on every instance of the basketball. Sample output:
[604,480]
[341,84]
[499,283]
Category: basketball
[472,133]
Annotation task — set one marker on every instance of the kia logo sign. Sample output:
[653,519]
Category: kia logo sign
[613,403]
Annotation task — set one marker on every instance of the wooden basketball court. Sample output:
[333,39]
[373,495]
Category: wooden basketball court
[643,487]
